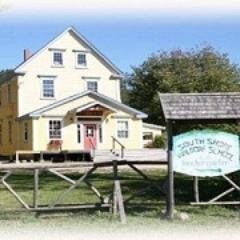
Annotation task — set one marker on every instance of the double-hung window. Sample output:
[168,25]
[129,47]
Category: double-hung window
[57,58]
[122,129]
[92,86]
[81,60]
[55,129]
[48,87]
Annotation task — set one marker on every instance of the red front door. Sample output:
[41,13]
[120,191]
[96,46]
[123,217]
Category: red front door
[90,136]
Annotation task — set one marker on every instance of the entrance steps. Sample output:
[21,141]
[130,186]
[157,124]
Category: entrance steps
[145,154]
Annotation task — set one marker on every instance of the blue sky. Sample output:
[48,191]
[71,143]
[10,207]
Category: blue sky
[126,39]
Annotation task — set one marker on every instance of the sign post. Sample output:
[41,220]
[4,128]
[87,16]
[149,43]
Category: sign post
[170,195]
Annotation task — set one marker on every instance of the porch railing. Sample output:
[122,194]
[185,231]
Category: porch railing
[122,147]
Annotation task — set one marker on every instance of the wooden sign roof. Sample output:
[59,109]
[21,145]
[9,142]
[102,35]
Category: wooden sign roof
[197,106]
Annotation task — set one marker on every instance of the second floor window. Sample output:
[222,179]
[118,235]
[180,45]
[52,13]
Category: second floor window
[57,58]
[48,88]
[92,86]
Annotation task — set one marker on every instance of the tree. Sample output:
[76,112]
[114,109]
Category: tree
[198,70]
[6,75]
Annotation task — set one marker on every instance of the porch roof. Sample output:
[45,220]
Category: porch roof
[100,98]
[89,106]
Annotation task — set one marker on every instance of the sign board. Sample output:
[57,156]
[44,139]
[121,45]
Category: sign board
[206,153]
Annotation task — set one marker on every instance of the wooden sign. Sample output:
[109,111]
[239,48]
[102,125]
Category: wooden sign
[206,153]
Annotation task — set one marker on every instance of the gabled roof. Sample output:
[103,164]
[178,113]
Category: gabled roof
[81,38]
[107,101]
[197,106]
[90,105]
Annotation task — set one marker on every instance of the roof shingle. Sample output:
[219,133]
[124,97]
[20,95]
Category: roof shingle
[197,106]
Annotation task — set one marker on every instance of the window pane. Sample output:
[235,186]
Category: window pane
[48,88]
[92,86]
[81,59]
[57,58]
[55,129]
[122,127]
[78,133]
[100,134]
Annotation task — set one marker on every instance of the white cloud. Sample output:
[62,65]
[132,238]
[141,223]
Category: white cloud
[136,7]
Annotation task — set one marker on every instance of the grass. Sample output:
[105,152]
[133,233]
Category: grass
[146,209]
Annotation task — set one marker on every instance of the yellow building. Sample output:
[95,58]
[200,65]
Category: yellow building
[66,96]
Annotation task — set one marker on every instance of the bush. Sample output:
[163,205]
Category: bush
[160,141]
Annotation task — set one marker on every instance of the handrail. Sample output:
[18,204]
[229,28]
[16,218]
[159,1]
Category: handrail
[93,148]
[115,140]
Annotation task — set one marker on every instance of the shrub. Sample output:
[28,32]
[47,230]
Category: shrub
[159,141]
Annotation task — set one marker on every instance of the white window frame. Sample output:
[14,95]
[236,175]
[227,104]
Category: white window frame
[42,79]
[128,132]
[61,128]
[92,81]
[76,59]
[54,64]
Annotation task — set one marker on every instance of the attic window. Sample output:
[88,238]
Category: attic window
[57,58]
[81,60]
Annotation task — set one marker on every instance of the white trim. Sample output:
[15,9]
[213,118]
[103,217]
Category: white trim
[79,66]
[97,123]
[62,126]
[57,49]
[91,80]
[81,38]
[42,78]
[128,129]
[153,126]
[79,109]
[57,65]
[96,96]
[82,50]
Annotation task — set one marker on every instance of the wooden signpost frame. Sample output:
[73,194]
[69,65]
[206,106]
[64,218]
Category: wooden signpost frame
[196,108]
[170,192]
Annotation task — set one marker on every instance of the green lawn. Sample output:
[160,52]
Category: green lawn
[146,209]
